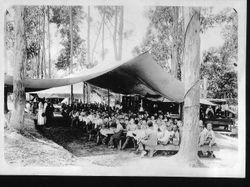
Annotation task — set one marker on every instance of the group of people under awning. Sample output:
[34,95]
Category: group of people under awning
[121,130]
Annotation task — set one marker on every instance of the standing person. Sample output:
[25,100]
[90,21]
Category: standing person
[49,113]
[40,116]
[210,112]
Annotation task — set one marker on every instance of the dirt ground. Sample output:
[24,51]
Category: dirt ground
[66,146]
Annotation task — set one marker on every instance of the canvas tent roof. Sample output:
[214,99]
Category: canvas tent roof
[64,91]
[206,102]
[141,75]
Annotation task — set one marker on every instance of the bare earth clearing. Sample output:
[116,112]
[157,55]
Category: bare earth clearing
[30,148]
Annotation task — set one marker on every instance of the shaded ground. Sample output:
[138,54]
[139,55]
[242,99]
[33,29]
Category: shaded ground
[29,148]
[61,145]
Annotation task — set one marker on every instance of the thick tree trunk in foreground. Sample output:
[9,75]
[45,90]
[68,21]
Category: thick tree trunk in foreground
[17,116]
[189,143]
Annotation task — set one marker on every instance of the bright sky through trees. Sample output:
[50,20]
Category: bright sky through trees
[134,21]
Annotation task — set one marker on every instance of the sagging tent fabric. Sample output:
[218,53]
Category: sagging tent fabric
[141,75]
[64,91]
[206,102]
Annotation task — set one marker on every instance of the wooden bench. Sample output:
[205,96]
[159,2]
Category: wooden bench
[175,148]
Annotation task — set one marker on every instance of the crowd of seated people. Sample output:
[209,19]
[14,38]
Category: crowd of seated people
[118,129]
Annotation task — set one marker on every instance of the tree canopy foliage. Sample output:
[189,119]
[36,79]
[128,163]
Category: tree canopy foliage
[159,36]
[217,63]
[61,18]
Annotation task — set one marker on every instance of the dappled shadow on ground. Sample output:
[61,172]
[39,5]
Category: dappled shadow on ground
[45,147]
[75,141]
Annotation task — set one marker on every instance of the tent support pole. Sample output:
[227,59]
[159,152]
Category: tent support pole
[108,103]
[83,93]
[5,100]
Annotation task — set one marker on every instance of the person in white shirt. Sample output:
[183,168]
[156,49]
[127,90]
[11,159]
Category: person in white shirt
[117,134]
[40,116]
[210,137]
[131,132]
[175,139]
[207,137]
[203,134]
[167,135]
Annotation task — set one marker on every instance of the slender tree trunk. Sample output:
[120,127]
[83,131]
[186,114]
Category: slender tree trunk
[83,92]
[94,47]
[17,117]
[189,143]
[39,49]
[90,61]
[44,38]
[5,40]
[88,40]
[103,22]
[174,61]
[71,52]
[120,33]
[120,41]
[115,33]
[48,18]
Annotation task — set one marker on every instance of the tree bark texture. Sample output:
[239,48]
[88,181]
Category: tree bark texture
[189,143]
[17,116]
[44,38]
[48,18]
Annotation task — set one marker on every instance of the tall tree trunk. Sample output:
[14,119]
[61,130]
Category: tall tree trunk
[189,143]
[115,33]
[103,22]
[48,19]
[37,67]
[174,61]
[120,33]
[40,48]
[90,61]
[17,116]
[38,52]
[44,38]
[88,40]
[71,52]
[99,31]
[5,41]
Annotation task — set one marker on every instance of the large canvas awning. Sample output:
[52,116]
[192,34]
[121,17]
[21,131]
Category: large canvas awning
[141,75]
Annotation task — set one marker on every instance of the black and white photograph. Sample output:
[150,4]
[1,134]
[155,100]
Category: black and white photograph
[123,88]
